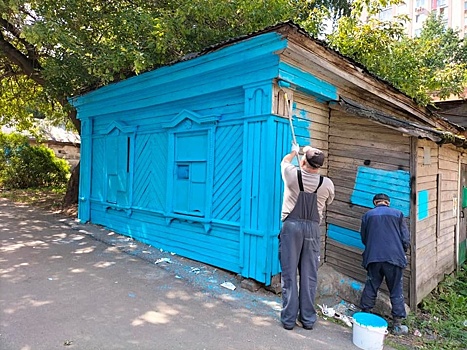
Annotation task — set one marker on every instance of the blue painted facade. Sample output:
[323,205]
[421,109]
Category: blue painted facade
[186,157]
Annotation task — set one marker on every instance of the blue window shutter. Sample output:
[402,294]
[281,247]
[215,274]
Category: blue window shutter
[198,188]
[111,157]
[189,185]
[117,158]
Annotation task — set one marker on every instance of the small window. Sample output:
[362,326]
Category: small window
[402,9]
[183,172]
[420,3]
[386,15]
[442,3]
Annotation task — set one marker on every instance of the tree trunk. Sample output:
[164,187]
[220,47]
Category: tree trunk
[71,195]
[72,190]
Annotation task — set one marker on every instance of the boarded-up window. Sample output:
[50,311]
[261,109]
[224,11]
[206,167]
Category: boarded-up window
[189,185]
[117,163]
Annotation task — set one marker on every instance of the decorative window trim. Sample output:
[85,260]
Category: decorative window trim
[186,122]
[120,126]
[121,129]
[188,117]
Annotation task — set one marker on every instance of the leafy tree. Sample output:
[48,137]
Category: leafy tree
[51,50]
[433,63]
[54,49]
[25,166]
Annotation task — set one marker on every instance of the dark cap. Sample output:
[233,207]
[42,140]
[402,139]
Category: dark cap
[314,157]
[381,197]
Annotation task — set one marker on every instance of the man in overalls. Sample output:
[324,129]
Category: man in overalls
[306,193]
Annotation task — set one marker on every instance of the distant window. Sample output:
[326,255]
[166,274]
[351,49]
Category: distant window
[386,15]
[420,3]
[402,9]
[442,3]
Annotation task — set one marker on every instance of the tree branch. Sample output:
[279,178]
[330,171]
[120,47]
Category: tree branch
[29,66]
[31,49]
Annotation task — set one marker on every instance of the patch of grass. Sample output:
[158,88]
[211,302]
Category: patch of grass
[441,319]
[49,198]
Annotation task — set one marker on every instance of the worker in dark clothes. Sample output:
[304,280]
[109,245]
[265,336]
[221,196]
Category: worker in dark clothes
[386,239]
[306,193]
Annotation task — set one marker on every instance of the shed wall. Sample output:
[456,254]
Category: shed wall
[364,159]
[437,183]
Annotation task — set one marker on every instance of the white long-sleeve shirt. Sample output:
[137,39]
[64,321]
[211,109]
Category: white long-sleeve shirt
[325,193]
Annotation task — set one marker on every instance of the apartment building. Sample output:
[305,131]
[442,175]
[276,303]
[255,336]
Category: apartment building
[454,14]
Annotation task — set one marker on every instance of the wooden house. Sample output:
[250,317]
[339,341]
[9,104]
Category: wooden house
[65,144]
[187,157]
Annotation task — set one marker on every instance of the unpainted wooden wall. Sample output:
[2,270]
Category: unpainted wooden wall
[357,144]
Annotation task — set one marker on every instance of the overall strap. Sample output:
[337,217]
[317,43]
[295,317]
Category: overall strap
[320,183]
[300,182]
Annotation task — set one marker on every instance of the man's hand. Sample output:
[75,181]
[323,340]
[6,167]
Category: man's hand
[295,148]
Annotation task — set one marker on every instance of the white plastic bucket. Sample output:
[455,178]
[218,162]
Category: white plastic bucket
[369,331]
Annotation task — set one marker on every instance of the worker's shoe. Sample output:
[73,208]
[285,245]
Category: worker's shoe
[300,323]
[398,328]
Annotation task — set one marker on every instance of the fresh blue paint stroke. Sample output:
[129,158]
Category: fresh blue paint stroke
[345,236]
[423,204]
[370,181]
[283,84]
[308,83]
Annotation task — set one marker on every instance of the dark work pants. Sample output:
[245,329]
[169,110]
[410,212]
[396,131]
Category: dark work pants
[393,274]
[299,248]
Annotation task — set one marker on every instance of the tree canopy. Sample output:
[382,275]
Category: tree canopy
[432,64]
[53,49]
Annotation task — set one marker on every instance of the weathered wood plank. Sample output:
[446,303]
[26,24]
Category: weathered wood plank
[365,144]
[356,162]
[346,222]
